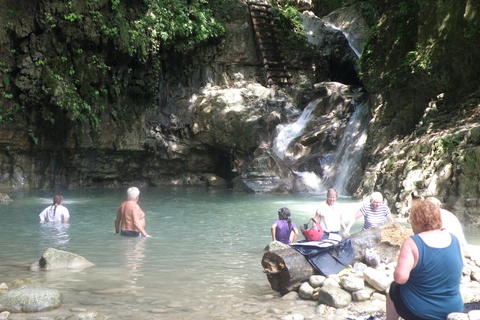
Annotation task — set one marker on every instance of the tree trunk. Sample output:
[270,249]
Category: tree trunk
[286,269]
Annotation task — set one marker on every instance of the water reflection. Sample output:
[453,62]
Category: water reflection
[53,234]
[134,253]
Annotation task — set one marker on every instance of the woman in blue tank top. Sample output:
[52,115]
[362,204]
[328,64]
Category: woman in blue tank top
[429,269]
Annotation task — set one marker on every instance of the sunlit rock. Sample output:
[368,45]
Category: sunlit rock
[5,198]
[30,300]
[53,259]
[334,296]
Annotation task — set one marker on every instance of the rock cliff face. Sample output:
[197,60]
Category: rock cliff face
[201,124]
[425,99]
[199,119]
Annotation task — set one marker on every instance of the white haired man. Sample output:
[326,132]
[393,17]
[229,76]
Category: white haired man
[130,221]
[374,213]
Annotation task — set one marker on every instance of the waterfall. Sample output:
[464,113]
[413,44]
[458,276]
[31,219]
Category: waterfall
[346,159]
[355,45]
[286,133]
[338,166]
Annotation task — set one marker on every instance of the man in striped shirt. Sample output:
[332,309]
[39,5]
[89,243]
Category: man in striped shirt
[374,213]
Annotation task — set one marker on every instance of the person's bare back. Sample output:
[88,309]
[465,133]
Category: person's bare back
[130,218]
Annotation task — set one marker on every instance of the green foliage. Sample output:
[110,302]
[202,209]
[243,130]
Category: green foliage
[142,31]
[9,20]
[73,16]
[328,6]
[163,24]
[398,56]
[288,22]
[32,135]
[450,144]
[473,30]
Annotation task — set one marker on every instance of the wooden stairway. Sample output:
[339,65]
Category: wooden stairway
[267,40]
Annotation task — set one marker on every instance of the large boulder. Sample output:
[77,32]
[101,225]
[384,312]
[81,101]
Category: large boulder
[30,300]
[5,198]
[57,259]
[384,241]
[266,173]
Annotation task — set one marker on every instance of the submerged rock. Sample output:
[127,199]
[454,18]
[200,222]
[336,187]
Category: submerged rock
[88,316]
[25,283]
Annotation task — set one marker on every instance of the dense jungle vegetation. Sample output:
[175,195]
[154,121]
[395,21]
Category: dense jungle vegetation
[121,36]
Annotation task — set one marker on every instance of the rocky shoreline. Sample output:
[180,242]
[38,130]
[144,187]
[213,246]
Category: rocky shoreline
[360,290]
[362,286]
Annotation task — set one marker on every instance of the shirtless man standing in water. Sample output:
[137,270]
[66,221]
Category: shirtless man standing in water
[131,216]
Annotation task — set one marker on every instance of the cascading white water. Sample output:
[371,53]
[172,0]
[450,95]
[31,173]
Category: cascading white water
[354,44]
[346,158]
[287,132]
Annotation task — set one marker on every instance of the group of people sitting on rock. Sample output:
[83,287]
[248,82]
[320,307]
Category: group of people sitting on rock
[429,268]
[330,218]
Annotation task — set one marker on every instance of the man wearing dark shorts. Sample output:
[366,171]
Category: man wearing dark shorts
[130,217]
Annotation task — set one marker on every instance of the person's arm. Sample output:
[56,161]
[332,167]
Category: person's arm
[274,231]
[407,260]
[317,216]
[294,235]
[66,215]
[41,216]
[117,221]
[137,224]
[342,224]
[358,215]
[389,218]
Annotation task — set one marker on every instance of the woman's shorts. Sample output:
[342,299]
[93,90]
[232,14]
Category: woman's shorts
[400,306]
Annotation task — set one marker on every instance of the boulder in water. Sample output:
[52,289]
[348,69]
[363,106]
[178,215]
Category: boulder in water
[5,198]
[57,259]
[266,173]
[30,300]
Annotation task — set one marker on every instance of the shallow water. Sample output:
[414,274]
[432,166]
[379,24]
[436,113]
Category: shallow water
[203,261]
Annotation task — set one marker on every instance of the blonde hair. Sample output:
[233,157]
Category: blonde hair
[332,191]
